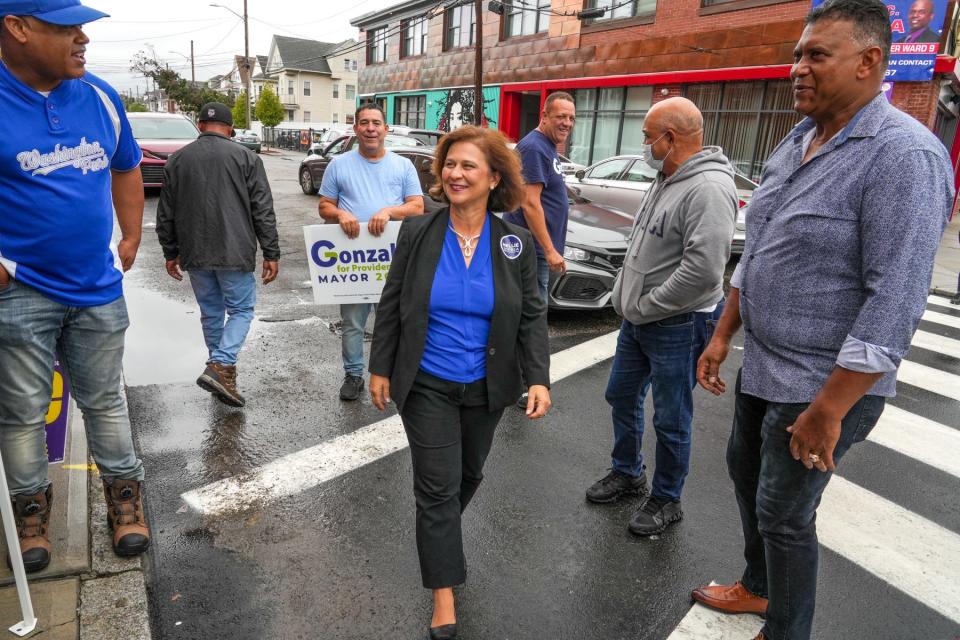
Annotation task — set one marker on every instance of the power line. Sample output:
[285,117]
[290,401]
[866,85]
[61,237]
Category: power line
[161,37]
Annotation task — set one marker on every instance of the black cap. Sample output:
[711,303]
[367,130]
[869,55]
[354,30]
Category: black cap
[216,112]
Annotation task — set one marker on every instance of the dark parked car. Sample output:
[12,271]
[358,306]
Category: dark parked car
[310,173]
[159,135]
[249,139]
[596,242]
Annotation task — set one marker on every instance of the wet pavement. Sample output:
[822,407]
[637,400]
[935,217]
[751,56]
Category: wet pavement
[338,560]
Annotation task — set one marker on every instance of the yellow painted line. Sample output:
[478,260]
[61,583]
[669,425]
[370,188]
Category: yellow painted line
[82,467]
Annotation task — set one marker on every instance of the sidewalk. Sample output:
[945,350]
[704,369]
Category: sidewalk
[946,267]
[87,591]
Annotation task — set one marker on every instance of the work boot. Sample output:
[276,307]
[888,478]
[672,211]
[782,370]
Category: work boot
[221,380]
[351,387]
[125,516]
[32,515]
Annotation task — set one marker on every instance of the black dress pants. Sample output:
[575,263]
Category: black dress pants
[450,431]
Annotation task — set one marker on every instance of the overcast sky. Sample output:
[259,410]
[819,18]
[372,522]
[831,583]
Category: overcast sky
[169,25]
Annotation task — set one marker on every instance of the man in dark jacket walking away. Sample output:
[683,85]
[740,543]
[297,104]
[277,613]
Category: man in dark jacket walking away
[215,207]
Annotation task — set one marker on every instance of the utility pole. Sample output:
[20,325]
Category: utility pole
[193,72]
[246,57]
[478,65]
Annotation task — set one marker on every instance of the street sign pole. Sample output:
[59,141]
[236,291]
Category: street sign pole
[478,66]
[29,621]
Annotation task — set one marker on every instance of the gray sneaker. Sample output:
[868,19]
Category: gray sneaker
[616,484]
[351,387]
[655,516]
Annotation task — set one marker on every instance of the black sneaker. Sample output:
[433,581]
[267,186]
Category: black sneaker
[351,387]
[655,516]
[955,299]
[616,484]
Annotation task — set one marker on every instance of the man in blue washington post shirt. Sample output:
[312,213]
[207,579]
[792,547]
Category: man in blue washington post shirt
[841,237]
[67,161]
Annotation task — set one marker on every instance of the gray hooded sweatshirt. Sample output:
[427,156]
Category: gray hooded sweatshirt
[680,242]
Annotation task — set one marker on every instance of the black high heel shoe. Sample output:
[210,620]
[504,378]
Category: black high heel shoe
[444,632]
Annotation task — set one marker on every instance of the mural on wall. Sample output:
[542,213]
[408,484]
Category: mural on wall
[450,109]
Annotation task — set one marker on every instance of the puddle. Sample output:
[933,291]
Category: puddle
[164,343]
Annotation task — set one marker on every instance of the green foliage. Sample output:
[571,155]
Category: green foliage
[136,107]
[240,112]
[269,108]
[190,96]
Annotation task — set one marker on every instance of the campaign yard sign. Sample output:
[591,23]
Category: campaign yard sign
[349,270]
[916,26]
[57,417]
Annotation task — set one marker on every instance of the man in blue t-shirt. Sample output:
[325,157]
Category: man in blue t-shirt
[375,186]
[67,161]
[545,205]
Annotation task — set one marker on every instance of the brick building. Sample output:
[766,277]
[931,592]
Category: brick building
[731,57]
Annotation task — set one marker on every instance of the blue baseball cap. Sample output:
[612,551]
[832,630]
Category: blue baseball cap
[61,12]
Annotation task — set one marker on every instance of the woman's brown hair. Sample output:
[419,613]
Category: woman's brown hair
[508,193]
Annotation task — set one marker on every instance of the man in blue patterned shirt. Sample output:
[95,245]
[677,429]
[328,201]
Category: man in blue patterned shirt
[841,237]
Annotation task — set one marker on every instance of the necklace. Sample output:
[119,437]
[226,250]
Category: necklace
[466,242]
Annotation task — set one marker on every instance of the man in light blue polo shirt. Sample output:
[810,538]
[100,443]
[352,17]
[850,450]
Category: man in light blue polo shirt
[67,161]
[375,186]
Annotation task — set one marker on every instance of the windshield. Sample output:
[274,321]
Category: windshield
[163,129]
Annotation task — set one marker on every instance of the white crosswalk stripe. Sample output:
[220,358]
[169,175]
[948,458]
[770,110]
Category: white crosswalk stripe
[942,318]
[939,344]
[940,301]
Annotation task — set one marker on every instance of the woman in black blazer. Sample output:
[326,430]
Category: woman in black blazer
[460,319]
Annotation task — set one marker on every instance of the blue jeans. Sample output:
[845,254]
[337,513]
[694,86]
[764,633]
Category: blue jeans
[90,341]
[543,278]
[661,356]
[354,317]
[224,295]
[778,499]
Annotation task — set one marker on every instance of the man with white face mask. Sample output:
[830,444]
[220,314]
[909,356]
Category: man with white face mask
[669,292]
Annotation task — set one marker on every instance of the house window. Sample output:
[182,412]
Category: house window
[411,111]
[526,18]
[290,88]
[306,88]
[747,119]
[351,92]
[414,33]
[289,115]
[459,27]
[306,116]
[336,118]
[348,118]
[377,45]
[336,91]
[346,64]
[353,65]
[617,9]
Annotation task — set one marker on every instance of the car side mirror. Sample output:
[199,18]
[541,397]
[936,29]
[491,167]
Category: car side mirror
[580,174]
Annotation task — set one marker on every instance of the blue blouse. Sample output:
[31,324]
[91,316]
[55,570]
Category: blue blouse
[461,304]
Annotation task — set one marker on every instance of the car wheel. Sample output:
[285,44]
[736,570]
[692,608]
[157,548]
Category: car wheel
[306,182]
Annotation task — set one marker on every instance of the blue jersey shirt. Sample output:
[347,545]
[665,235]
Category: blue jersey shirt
[363,187]
[461,304]
[541,164]
[56,207]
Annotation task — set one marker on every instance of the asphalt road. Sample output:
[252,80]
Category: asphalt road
[336,560]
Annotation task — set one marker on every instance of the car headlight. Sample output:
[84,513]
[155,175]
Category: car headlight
[575,253]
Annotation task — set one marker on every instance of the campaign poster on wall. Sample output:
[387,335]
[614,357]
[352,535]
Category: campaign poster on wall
[349,270]
[916,26]
[57,417]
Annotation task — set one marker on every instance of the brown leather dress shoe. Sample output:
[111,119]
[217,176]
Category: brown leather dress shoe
[731,598]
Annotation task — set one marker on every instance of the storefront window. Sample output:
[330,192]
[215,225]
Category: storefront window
[609,122]
[746,119]
[411,111]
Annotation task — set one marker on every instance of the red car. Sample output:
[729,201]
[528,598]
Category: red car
[159,135]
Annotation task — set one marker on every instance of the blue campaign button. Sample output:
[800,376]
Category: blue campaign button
[511,246]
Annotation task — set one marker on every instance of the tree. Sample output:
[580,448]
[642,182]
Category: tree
[190,96]
[240,112]
[269,109]
[136,107]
